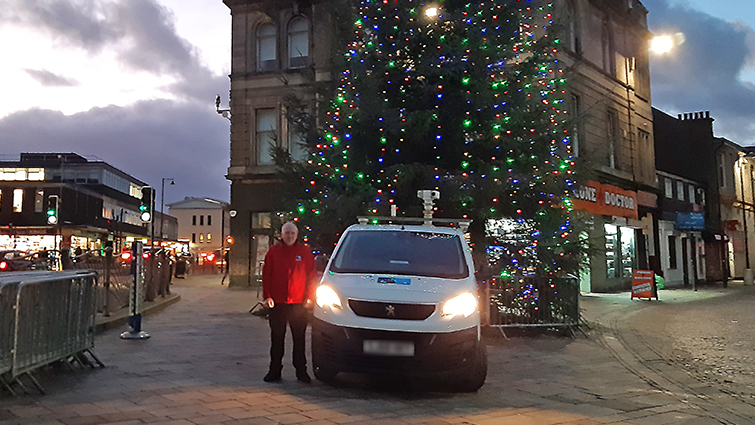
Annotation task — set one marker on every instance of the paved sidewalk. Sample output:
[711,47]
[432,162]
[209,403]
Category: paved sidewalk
[207,355]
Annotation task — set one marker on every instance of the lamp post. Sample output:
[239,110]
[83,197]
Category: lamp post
[162,203]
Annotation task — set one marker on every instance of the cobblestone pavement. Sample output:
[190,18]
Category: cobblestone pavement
[205,361]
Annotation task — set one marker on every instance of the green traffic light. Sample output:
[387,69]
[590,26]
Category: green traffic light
[50,212]
[143,208]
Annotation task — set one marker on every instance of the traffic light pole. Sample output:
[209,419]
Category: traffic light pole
[153,253]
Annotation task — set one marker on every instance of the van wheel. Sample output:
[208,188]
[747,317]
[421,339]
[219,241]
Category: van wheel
[325,374]
[474,376]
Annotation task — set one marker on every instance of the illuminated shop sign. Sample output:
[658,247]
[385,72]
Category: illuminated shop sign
[605,199]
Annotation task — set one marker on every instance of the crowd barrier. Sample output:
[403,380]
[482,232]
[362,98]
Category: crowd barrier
[46,317]
[534,301]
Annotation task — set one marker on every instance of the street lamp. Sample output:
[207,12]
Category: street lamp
[162,204]
[662,44]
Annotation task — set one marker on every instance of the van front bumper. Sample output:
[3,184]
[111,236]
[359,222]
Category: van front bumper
[340,349]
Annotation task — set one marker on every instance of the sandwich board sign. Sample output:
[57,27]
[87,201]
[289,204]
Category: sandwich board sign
[642,284]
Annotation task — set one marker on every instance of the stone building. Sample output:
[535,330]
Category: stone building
[605,57]
[281,49]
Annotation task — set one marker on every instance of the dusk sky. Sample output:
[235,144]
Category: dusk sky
[133,82]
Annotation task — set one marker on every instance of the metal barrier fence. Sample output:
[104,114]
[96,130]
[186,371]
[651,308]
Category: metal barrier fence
[7,325]
[116,280]
[52,317]
[534,301]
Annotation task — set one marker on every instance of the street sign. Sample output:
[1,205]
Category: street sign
[690,221]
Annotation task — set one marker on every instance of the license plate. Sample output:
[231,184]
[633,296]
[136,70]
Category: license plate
[388,348]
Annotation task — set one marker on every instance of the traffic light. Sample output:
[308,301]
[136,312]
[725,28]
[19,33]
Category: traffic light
[146,207]
[53,202]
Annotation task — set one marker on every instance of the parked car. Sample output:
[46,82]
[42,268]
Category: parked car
[12,260]
[400,299]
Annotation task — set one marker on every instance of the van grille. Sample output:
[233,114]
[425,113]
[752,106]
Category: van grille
[382,310]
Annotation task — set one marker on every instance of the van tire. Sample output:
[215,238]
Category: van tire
[474,376]
[325,374]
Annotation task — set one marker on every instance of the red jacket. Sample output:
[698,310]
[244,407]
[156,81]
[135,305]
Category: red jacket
[288,274]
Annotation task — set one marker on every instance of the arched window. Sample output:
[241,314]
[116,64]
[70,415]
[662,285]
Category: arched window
[266,47]
[298,42]
[609,61]
[571,32]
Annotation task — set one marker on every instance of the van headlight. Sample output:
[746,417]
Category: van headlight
[325,295]
[464,304]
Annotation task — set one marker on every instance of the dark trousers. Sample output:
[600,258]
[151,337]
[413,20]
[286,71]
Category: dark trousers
[294,315]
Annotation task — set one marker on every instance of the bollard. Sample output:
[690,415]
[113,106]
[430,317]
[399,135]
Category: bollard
[108,263]
[135,298]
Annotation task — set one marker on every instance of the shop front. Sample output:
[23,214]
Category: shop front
[617,238]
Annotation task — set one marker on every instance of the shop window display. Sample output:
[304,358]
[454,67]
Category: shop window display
[620,247]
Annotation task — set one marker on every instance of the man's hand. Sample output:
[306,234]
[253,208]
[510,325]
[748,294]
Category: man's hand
[269,303]
[309,304]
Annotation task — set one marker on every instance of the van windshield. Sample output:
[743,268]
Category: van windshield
[401,252]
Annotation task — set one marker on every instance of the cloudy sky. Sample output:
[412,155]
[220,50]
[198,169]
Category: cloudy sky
[133,82]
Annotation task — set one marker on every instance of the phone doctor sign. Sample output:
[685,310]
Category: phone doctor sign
[605,199]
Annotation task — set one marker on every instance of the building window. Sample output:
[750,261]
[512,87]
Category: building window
[669,187]
[298,42]
[18,200]
[209,220]
[193,238]
[201,221]
[643,138]
[262,220]
[609,61]
[267,126]
[193,220]
[672,252]
[209,237]
[39,201]
[571,33]
[201,238]
[575,124]
[701,192]
[266,47]
[613,138]
[691,193]
[297,144]
[680,191]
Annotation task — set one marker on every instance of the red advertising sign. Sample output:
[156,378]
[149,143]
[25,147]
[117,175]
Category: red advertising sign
[642,284]
[605,199]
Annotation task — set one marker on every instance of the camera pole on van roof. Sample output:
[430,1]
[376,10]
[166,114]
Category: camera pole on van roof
[427,197]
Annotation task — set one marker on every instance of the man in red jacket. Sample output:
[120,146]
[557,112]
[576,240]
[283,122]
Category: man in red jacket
[287,286]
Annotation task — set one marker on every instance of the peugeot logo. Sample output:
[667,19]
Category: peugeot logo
[390,311]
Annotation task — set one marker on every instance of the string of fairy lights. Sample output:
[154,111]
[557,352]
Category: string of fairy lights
[407,62]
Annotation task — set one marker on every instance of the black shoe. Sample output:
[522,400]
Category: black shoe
[272,377]
[303,377]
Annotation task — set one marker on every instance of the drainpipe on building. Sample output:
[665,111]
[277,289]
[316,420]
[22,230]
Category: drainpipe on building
[724,258]
[748,278]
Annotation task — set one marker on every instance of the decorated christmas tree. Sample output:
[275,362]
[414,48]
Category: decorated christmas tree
[464,98]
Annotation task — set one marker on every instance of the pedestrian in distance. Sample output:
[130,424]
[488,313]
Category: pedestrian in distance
[287,288]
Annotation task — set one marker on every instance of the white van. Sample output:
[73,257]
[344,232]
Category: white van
[400,299]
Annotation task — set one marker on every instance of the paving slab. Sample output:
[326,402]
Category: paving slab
[207,355]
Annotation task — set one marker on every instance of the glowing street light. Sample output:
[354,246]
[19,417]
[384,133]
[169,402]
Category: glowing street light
[662,44]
